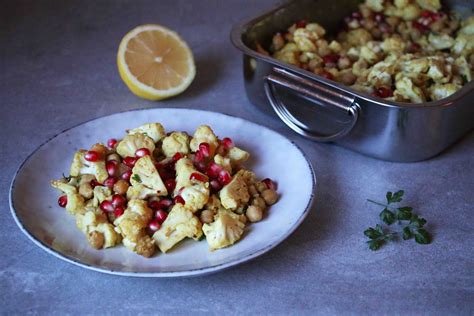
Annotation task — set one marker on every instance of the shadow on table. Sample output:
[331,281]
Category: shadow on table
[208,72]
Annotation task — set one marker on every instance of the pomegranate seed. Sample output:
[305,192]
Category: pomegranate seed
[126,175]
[224,177]
[269,184]
[161,216]
[414,47]
[198,157]
[154,225]
[205,149]
[165,203]
[62,201]
[177,157]
[198,176]
[94,183]
[301,24]
[153,205]
[385,28]
[213,170]
[327,75]
[92,156]
[419,26]
[109,182]
[118,200]
[112,167]
[142,152]
[331,58]
[228,143]
[170,184]
[129,161]
[215,185]
[178,199]
[166,174]
[379,17]
[357,15]
[426,14]
[111,143]
[201,166]
[118,211]
[384,92]
[107,206]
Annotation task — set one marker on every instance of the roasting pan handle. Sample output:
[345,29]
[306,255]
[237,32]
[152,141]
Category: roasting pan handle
[318,94]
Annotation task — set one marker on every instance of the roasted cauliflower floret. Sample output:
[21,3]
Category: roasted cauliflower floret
[440,41]
[237,156]
[130,143]
[184,169]
[75,201]
[176,142]
[195,195]
[432,5]
[153,130]
[144,174]
[224,231]
[101,194]
[81,166]
[204,134]
[462,68]
[440,91]
[180,224]
[411,92]
[224,162]
[99,232]
[132,225]
[375,5]
[194,192]
[235,194]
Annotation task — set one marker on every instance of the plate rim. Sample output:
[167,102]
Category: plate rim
[169,274]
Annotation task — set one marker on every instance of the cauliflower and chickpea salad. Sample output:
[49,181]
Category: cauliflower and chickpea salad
[400,50]
[152,190]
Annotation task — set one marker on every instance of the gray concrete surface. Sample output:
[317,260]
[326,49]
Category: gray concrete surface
[57,69]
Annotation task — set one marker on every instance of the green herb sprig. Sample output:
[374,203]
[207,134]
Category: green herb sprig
[412,224]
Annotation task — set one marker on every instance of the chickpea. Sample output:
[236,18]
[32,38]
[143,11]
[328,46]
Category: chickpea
[253,190]
[243,218]
[258,201]
[207,216]
[270,196]
[86,190]
[278,41]
[254,213]
[96,239]
[260,186]
[86,178]
[114,156]
[347,78]
[121,187]
[344,62]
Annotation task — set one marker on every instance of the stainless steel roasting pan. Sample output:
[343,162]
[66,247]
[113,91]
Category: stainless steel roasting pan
[326,111]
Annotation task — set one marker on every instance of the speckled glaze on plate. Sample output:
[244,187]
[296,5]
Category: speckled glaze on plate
[54,230]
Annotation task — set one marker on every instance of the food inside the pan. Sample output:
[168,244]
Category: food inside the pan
[401,50]
[152,189]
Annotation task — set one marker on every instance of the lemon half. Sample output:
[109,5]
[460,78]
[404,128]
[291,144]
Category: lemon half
[155,63]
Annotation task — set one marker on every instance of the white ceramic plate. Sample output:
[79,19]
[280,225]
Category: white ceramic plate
[54,230]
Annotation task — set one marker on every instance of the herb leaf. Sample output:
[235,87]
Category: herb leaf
[375,244]
[412,224]
[137,178]
[387,217]
[407,233]
[422,236]
[404,213]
